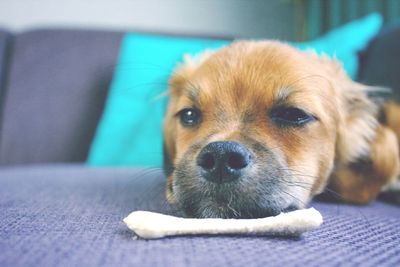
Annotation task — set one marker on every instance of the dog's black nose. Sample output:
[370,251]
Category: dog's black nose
[223,162]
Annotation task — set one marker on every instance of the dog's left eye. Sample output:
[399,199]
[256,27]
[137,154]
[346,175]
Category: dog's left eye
[291,116]
[189,117]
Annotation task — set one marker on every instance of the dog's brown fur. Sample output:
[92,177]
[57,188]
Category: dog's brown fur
[235,88]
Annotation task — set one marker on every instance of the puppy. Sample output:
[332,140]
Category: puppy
[258,128]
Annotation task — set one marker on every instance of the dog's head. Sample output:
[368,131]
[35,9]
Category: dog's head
[255,129]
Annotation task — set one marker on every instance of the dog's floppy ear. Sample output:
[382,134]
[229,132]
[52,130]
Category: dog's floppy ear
[367,154]
[357,122]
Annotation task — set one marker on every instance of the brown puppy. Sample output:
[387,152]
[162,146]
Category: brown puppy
[257,128]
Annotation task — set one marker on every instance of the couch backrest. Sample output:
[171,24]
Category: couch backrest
[5,45]
[379,63]
[56,87]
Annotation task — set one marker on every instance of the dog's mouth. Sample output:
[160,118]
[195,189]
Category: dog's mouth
[229,211]
[230,201]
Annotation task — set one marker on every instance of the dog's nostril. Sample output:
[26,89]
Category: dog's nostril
[207,161]
[223,161]
[237,161]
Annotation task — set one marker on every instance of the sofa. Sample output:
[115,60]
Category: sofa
[57,211]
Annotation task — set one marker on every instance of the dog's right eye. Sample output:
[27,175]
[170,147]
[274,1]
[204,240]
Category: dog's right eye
[189,117]
[291,116]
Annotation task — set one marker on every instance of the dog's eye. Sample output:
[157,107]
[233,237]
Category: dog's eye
[291,116]
[189,117]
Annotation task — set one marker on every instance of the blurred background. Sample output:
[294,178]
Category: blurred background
[293,20]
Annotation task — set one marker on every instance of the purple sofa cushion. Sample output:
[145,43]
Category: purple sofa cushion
[71,216]
[57,84]
[5,45]
[379,63]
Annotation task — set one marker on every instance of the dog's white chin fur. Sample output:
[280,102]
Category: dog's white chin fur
[151,225]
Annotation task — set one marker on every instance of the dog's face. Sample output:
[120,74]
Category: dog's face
[255,129]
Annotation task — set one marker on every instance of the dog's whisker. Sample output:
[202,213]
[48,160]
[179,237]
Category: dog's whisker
[236,213]
[294,197]
[132,88]
[149,170]
[298,183]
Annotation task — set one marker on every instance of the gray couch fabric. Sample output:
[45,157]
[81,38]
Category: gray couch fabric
[379,63]
[69,215]
[57,84]
[5,47]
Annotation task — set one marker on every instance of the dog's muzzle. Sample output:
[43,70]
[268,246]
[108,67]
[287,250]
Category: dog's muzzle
[222,162]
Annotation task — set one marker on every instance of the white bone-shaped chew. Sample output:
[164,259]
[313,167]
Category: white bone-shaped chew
[150,225]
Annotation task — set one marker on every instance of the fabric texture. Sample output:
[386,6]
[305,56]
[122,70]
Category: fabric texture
[130,131]
[70,215]
[380,61]
[56,88]
[5,45]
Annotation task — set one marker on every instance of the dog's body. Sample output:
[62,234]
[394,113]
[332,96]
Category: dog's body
[258,128]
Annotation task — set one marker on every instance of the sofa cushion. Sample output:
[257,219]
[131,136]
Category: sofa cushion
[344,42]
[379,63]
[72,216]
[5,45]
[56,89]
